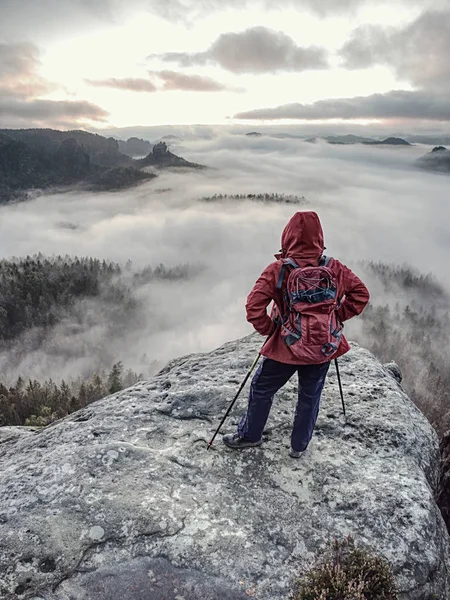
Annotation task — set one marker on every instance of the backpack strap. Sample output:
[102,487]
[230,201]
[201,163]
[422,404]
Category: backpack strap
[287,262]
[324,260]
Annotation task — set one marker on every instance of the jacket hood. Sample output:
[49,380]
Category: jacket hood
[302,238]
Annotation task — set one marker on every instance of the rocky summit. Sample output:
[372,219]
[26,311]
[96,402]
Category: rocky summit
[121,500]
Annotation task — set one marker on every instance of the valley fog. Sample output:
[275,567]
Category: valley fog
[373,204]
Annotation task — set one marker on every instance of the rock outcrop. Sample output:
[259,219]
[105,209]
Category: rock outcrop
[437,160]
[33,160]
[161,157]
[134,147]
[121,500]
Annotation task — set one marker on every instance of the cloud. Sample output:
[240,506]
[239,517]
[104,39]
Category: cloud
[174,80]
[417,52]
[21,86]
[50,19]
[194,9]
[14,58]
[50,111]
[131,84]
[255,50]
[19,64]
[163,81]
[398,104]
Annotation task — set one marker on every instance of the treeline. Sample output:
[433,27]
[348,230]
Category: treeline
[406,278]
[163,273]
[267,197]
[408,321]
[36,294]
[412,328]
[38,404]
[38,291]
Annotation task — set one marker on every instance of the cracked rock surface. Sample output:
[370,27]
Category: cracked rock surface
[121,501]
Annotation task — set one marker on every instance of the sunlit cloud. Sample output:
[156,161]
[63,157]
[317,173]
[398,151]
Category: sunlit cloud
[137,84]
[162,81]
[21,88]
[255,50]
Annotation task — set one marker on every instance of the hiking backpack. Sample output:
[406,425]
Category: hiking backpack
[309,324]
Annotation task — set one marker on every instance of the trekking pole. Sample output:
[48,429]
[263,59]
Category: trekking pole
[340,387]
[234,400]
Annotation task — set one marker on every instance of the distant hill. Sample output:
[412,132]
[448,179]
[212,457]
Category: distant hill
[356,139]
[161,157]
[430,140]
[37,159]
[134,147]
[341,139]
[286,136]
[390,141]
[101,150]
[253,134]
[169,138]
[437,160]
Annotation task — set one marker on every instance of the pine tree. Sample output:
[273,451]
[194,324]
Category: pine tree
[115,378]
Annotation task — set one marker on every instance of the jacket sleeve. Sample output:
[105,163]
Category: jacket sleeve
[258,300]
[356,295]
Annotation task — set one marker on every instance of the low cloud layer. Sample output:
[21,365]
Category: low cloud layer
[21,87]
[371,201]
[163,81]
[417,52]
[256,50]
[395,105]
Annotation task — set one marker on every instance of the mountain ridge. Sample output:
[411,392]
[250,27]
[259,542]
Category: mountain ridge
[34,159]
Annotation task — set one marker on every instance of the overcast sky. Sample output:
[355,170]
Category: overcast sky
[117,63]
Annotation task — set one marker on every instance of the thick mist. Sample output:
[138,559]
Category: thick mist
[373,203]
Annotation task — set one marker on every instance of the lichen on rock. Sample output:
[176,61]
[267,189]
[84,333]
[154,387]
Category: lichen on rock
[122,500]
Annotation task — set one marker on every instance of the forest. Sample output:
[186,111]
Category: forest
[262,197]
[412,327]
[408,320]
[37,293]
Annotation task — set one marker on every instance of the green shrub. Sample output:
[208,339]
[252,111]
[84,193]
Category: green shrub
[346,572]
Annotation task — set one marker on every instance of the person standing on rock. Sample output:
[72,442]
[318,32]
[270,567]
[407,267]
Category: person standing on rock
[313,295]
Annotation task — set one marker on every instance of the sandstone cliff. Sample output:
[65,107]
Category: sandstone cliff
[121,501]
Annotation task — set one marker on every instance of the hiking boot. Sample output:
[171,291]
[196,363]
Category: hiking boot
[296,453]
[236,441]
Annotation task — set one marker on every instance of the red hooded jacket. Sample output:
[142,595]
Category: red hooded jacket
[302,240]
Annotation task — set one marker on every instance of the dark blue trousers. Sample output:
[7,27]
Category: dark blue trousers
[268,379]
